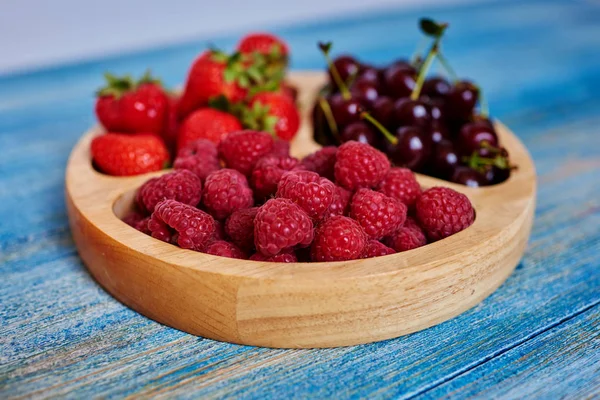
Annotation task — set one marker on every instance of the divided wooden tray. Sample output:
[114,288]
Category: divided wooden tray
[299,305]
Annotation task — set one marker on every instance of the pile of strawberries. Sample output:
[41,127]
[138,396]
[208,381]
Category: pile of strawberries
[145,124]
[247,198]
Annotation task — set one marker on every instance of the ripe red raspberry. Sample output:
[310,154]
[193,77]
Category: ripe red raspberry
[281,148]
[219,231]
[285,257]
[183,186]
[224,249]
[338,238]
[307,189]
[378,214]
[322,162]
[280,225]
[408,237]
[442,212]
[189,227]
[339,205]
[200,156]
[240,227]
[241,150]
[138,221]
[401,184]
[359,165]
[268,172]
[225,191]
[376,249]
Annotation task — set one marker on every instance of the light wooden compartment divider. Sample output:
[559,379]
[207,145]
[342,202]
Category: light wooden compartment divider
[300,305]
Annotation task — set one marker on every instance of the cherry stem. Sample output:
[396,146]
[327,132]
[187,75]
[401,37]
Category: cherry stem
[424,69]
[483,104]
[390,138]
[336,76]
[329,117]
[444,61]
[417,54]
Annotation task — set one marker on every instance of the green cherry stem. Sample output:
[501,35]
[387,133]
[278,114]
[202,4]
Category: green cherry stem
[329,117]
[424,69]
[334,72]
[390,138]
[417,54]
[444,61]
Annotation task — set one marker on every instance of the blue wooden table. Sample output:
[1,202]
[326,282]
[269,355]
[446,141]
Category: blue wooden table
[537,336]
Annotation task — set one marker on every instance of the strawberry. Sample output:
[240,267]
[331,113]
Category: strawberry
[206,123]
[121,154]
[274,113]
[129,107]
[172,126]
[265,44]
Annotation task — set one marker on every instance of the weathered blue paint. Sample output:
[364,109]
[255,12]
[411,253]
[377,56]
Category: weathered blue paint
[539,61]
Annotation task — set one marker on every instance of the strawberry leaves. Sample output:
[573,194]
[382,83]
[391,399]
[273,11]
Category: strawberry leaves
[117,86]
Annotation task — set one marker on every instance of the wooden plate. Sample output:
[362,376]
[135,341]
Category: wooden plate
[299,305]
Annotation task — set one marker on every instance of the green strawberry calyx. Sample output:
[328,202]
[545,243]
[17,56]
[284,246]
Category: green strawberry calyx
[117,86]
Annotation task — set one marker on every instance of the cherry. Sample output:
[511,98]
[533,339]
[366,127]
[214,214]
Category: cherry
[409,112]
[473,134]
[383,111]
[369,73]
[436,131]
[404,64]
[412,149]
[436,108]
[344,111]
[361,132]
[468,177]
[443,160]
[494,175]
[436,87]
[365,90]
[346,66]
[462,99]
[399,80]
[322,132]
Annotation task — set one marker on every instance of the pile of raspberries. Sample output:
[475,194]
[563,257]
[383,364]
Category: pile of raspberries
[247,198]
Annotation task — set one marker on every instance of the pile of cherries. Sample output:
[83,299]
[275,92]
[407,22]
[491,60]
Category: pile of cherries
[423,123]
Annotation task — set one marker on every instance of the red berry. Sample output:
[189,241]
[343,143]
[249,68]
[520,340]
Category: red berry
[322,162]
[224,249]
[307,189]
[241,150]
[339,205]
[200,157]
[408,237]
[275,113]
[401,184]
[360,165]
[138,221]
[280,225]
[240,227]
[285,257]
[226,191]
[268,172]
[338,238]
[206,123]
[122,155]
[219,231]
[281,148]
[376,249]
[442,212]
[263,43]
[183,186]
[378,214]
[189,227]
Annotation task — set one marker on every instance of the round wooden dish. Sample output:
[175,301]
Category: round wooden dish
[299,305]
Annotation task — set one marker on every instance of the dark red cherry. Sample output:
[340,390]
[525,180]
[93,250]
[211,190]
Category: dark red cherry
[436,131]
[436,87]
[473,134]
[366,91]
[412,149]
[436,108]
[444,159]
[322,133]
[344,111]
[399,81]
[494,175]
[468,177]
[404,64]
[383,111]
[462,100]
[369,73]
[409,112]
[346,66]
[361,132]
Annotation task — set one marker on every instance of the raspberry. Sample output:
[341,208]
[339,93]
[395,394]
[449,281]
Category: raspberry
[281,148]
[189,227]
[339,205]
[200,156]
[409,237]
[307,189]
[359,165]
[240,227]
[137,221]
[401,184]
[378,214]
[285,257]
[182,185]
[225,191]
[224,249]
[322,162]
[442,212]
[268,172]
[241,150]
[338,238]
[374,248]
[219,230]
[280,224]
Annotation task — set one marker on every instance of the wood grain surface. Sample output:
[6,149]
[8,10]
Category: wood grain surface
[61,335]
